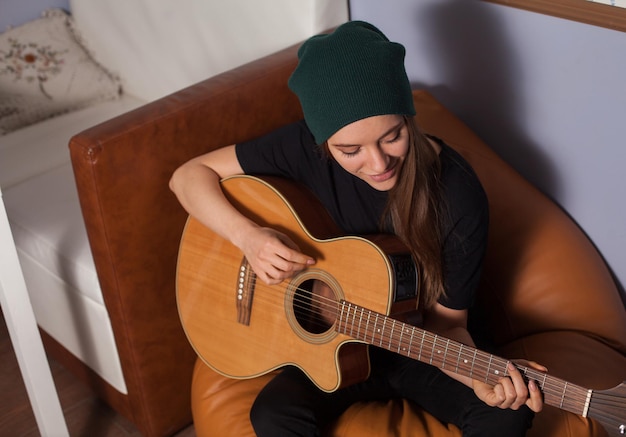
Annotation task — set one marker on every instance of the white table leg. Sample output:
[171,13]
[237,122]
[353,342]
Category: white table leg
[25,337]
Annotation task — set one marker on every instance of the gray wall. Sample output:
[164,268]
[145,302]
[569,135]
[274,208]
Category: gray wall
[16,12]
[548,94]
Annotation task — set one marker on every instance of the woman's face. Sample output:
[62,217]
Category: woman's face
[372,149]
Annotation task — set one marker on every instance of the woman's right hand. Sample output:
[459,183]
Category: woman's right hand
[272,255]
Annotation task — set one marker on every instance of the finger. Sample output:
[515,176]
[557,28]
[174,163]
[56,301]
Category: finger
[291,262]
[533,364]
[296,257]
[268,279]
[537,366]
[509,393]
[535,401]
[519,387]
[293,252]
[268,273]
[498,396]
[279,268]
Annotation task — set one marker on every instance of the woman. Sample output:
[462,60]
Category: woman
[360,151]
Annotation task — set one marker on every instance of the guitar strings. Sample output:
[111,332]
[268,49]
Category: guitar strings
[305,299]
[332,305]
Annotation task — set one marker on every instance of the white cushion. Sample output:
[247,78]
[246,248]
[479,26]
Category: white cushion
[43,146]
[47,224]
[44,71]
[160,46]
[77,322]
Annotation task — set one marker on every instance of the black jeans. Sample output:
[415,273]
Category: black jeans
[291,405]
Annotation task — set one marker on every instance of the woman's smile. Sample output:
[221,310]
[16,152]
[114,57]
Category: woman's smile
[389,173]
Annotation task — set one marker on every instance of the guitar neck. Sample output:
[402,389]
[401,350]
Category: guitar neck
[385,332]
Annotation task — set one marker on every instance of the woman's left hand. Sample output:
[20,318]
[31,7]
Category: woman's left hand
[511,391]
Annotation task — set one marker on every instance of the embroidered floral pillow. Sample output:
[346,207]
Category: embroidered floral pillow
[44,71]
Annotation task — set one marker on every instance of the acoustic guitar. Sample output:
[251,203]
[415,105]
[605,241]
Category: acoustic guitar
[243,328]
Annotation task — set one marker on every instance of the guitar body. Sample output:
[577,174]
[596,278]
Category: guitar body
[244,328]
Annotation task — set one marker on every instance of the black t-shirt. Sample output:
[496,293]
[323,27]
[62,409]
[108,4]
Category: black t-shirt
[357,208]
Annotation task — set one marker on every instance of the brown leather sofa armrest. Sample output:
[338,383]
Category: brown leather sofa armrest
[134,223]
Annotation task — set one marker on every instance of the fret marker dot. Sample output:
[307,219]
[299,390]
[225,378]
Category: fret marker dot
[497,372]
[465,361]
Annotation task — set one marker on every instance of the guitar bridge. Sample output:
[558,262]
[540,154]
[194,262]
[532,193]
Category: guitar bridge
[246,282]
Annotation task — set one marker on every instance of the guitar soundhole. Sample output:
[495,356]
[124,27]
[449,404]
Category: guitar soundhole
[315,306]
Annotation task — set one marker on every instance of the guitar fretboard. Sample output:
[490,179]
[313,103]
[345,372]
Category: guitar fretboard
[385,332]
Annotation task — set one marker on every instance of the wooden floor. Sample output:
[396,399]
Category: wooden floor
[84,413]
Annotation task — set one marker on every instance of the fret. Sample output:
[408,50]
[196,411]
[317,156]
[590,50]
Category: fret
[445,354]
[369,316]
[563,396]
[352,324]
[411,340]
[382,333]
[473,362]
[408,350]
[377,329]
[432,353]
[419,357]
[341,316]
[488,368]
[400,338]
[587,403]
[360,322]
[506,370]
[466,356]
[391,333]
[344,317]
[458,359]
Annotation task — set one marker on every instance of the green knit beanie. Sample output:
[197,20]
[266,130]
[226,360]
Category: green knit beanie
[350,74]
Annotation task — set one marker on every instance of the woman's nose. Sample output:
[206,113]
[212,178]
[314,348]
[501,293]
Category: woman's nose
[378,160]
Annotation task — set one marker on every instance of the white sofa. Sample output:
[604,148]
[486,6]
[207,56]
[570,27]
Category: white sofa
[150,48]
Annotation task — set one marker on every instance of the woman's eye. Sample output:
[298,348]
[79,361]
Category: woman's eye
[349,153]
[395,138]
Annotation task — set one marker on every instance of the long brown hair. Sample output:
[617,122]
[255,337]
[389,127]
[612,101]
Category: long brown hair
[414,212]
